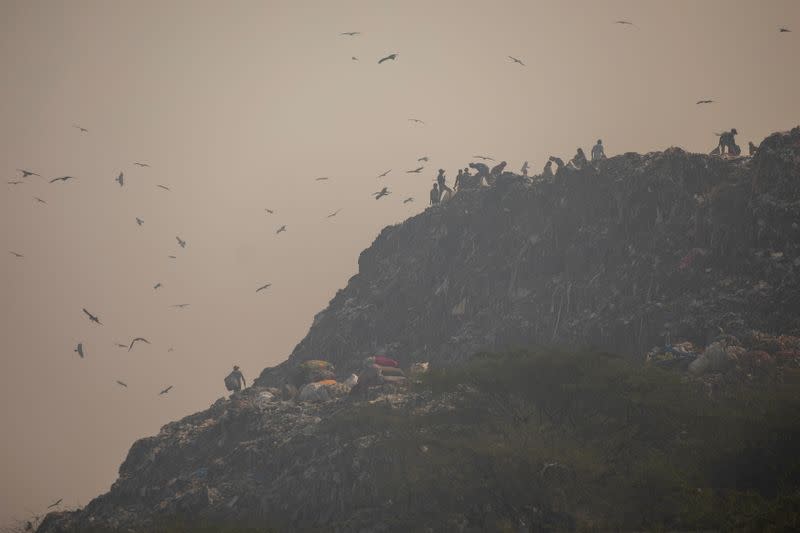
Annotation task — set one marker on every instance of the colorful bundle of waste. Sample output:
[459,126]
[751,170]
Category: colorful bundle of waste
[312,371]
[673,355]
[384,370]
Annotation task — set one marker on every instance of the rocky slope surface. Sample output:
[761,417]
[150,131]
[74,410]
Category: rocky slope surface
[618,256]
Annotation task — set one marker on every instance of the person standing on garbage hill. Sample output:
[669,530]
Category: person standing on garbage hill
[524,169]
[235,380]
[435,194]
[457,183]
[727,141]
[441,180]
[579,161]
[598,152]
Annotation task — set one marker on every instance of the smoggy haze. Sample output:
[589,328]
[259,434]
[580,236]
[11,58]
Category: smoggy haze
[238,107]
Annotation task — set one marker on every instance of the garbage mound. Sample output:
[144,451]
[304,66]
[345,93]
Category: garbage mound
[622,255]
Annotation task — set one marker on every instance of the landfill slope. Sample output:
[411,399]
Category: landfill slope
[636,251]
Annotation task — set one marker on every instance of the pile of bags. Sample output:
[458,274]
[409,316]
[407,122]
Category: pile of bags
[380,370]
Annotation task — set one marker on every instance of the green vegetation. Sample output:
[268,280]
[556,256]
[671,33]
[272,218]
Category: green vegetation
[591,442]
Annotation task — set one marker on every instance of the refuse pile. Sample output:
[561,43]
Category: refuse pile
[620,255]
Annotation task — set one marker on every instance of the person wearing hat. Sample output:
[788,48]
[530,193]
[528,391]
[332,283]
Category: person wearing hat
[235,380]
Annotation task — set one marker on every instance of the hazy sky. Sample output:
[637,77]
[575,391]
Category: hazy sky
[238,107]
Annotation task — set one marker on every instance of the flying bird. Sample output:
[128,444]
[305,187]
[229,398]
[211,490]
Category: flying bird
[157,286]
[423,158]
[134,341]
[120,345]
[181,242]
[354,58]
[142,164]
[334,213]
[55,504]
[387,58]
[270,211]
[267,286]
[281,229]
[515,60]
[705,102]
[163,187]
[181,306]
[351,33]
[322,178]
[172,257]
[785,30]
[15,182]
[92,317]
[408,200]
[65,178]
[415,171]
[380,194]
[26,173]
[485,158]
[83,130]
[385,173]
[15,254]
[79,349]
[416,120]
[624,22]
[165,390]
[139,221]
[39,200]
[120,179]
[122,383]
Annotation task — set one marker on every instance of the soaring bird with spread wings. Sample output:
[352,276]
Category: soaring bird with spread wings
[281,229]
[64,178]
[92,317]
[515,60]
[137,339]
[267,286]
[415,171]
[393,57]
[380,194]
[385,173]
[79,349]
[26,173]
[705,102]
[165,390]
[350,33]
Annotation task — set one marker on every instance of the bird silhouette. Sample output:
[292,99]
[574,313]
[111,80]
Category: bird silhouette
[334,213]
[385,173]
[416,120]
[120,179]
[79,349]
[55,504]
[139,221]
[351,33]
[157,286]
[324,178]
[122,383]
[380,194]
[267,286]
[423,158]
[120,345]
[137,339]
[64,178]
[387,58]
[515,60]
[142,165]
[15,254]
[354,58]
[705,102]
[270,211]
[15,182]
[180,306]
[83,130]
[92,317]
[281,229]
[181,242]
[785,30]
[407,200]
[415,171]
[172,257]
[163,187]
[165,390]
[39,200]
[26,173]
[624,22]
[485,158]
